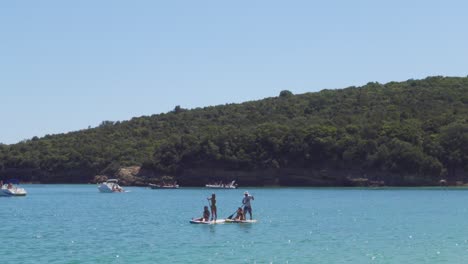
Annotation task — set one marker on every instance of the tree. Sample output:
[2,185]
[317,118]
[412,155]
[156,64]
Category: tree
[285,93]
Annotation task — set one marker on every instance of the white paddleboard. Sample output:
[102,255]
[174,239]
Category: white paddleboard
[219,221]
[240,221]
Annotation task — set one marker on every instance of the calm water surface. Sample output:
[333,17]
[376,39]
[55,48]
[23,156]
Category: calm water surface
[77,224]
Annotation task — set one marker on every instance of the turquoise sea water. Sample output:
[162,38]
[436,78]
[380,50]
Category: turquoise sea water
[77,224]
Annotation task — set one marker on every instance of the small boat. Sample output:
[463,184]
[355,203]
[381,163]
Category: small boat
[231,185]
[240,221]
[213,222]
[10,189]
[163,186]
[110,186]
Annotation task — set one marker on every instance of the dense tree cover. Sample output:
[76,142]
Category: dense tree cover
[417,127]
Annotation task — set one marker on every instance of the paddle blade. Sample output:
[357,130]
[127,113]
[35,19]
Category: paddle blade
[230,217]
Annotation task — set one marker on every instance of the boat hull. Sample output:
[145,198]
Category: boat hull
[156,186]
[231,185]
[109,188]
[220,187]
[13,192]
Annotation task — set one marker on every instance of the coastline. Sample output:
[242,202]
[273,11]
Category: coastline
[199,177]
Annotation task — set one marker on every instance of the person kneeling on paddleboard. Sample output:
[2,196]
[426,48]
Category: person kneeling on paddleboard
[240,214]
[246,203]
[206,215]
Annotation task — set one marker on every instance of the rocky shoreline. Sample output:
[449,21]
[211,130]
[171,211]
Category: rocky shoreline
[300,177]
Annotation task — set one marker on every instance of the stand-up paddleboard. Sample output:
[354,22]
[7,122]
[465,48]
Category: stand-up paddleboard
[195,221]
[240,221]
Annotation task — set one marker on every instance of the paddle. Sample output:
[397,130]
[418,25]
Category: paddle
[230,217]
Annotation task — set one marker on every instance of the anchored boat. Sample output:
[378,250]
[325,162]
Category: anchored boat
[10,189]
[110,186]
[231,185]
[163,186]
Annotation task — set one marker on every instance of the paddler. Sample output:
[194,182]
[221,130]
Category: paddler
[246,203]
[240,214]
[214,213]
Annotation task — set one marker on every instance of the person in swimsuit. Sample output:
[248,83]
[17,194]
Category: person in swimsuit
[206,215]
[246,203]
[214,213]
[240,214]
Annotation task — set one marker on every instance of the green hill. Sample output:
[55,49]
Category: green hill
[403,133]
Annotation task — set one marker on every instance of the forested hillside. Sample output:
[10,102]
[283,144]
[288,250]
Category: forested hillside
[404,133]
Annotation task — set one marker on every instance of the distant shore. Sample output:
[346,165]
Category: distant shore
[464,185]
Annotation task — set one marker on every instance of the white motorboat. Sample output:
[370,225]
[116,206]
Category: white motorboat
[231,185]
[164,186]
[110,186]
[10,188]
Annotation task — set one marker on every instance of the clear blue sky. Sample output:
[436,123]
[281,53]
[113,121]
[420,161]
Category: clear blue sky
[67,65]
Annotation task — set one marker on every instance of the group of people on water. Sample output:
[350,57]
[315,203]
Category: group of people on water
[240,213]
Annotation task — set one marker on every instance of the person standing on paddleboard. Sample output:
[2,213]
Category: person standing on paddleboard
[246,203]
[214,213]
